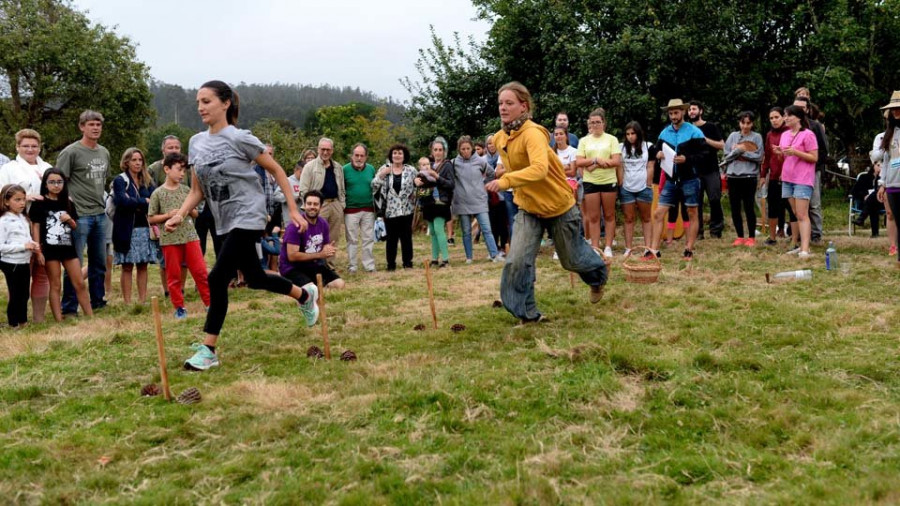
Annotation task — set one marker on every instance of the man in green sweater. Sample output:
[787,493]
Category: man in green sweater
[359,214]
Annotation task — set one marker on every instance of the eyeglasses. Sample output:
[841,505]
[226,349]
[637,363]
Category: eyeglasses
[600,122]
[55,183]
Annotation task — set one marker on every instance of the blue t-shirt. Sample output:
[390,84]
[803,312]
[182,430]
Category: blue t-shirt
[313,240]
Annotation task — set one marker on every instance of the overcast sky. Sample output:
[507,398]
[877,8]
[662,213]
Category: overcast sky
[369,44]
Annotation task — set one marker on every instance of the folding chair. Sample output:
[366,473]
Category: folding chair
[855,209]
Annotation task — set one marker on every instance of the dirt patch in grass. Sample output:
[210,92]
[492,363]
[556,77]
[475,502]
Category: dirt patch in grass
[272,396]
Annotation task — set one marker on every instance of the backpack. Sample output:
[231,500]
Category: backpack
[380,230]
[110,202]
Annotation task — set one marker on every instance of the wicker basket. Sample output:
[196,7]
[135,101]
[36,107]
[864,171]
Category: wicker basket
[642,271]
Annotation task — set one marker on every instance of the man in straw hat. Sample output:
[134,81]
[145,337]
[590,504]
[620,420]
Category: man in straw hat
[889,152]
[689,144]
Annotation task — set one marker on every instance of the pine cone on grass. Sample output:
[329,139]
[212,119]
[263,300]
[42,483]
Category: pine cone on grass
[150,390]
[497,304]
[189,396]
[420,326]
[348,356]
[315,352]
[458,327]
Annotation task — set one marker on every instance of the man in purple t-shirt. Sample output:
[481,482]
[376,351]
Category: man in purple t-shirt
[304,254]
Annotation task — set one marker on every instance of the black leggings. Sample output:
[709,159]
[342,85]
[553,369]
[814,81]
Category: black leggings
[673,213]
[398,229]
[741,193]
[497,215]
[776,206]
[238,253]
[18,279]
[205,225]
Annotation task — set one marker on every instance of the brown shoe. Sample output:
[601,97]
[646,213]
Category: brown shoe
[596,293]
[529,321]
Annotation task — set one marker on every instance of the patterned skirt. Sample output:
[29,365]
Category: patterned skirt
[142,250]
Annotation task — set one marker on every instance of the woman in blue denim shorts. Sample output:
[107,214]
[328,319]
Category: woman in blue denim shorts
[798,174]
[639,158]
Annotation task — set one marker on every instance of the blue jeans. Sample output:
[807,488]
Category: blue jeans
[484,221]
[511,210]
[518,278]
[91,231]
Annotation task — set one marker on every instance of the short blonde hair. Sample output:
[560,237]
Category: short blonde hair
[27,133]
[521,93]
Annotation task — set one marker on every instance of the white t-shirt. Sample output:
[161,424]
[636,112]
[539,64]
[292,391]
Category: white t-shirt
[635,169]
[566,156]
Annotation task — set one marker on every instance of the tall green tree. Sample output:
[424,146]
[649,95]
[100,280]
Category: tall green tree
[630,57]
[288,141]
[54,63]
[356,122]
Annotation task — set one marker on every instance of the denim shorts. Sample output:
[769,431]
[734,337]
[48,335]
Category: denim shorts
[796,191]
[674,192]
[627,197]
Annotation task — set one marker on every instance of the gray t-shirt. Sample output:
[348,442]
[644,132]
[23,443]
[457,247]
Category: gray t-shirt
[86,169]
[223,163]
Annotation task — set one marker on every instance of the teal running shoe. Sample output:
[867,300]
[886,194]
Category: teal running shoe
[310,308]
[202,360]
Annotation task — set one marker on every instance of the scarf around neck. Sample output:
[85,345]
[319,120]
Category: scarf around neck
[516,123]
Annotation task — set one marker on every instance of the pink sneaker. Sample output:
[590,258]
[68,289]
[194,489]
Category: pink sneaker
[750,242]
[738,242]
[892,251]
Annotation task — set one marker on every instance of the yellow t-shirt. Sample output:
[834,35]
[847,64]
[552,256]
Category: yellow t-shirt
[603,147]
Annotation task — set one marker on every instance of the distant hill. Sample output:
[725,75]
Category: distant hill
[295,103]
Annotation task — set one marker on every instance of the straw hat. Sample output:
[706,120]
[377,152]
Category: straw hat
[895,101]
[676,103]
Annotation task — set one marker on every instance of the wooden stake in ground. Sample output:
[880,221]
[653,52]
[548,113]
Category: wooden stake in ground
[572,279]
[322,317]
[161,349]
[430,293]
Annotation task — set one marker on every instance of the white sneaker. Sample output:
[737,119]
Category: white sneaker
[803,254]
[468,261]
[793,251]
[499,259]
[608,252]
[627,253]
[555,255]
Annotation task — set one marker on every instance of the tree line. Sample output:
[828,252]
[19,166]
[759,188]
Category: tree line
[631,57]
[55,62]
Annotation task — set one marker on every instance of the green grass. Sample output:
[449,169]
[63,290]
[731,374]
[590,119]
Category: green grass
[708,387]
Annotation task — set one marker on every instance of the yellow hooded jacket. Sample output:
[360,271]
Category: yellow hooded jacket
[534,171]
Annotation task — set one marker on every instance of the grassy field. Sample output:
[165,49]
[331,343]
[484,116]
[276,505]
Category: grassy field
[710,386]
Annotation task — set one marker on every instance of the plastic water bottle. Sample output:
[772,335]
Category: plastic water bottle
[794,275]
[831,257]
